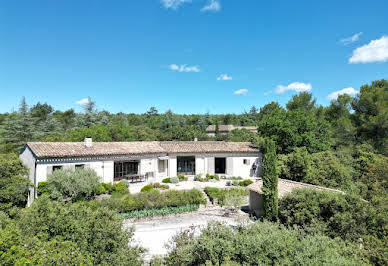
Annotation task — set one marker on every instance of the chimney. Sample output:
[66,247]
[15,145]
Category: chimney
[88,142]
[195,139]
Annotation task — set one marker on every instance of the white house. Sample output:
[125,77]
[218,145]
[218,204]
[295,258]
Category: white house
[113,161]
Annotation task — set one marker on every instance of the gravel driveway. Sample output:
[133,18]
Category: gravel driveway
[155,233]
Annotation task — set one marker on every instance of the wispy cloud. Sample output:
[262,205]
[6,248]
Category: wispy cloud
[184,68]
[349,91]
[173,4]
[83,101]
[213,5]
[375,51]
[224,77]
[241,92]
[351,39]
[295,86]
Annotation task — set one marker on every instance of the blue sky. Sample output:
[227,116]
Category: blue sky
[189,56]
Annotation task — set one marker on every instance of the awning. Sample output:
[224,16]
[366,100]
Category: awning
[163,158]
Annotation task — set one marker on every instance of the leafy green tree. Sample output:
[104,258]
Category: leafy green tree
[260,243]
[14,184]
[270,182]
[370,114]
[41,111]
[87,234]
[19,128]
[78,184]
[303,101]
[295,165]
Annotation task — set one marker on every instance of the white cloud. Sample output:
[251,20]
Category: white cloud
[375,51]
[174,4]
[295,86]
[224,77]
[83,101]
[348,91]
[241,92]
[351,39]
[184,68]
[213,5]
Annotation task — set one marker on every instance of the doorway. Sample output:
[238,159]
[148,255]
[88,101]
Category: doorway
[220,165]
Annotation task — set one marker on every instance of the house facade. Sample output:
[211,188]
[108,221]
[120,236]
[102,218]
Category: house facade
[113,161]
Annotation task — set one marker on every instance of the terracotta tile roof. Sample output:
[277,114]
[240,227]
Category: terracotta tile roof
[74,149]
[78,149]
[287,186]
[207,147]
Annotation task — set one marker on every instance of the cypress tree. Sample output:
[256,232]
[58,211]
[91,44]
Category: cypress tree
[270,182]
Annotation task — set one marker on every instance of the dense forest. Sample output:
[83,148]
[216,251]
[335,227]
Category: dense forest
[343,146]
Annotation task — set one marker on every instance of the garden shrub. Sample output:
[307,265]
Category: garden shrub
[197,177]
[224,196]
[166,180]
[78,184]
[120,187]
[44,187]
[160,186]
[174,180]
[336,215]
[137,214]
[182,178]
[154,199]
[245,183]
[261,243]
[95,234]
[100,190]
[146,188]
[108,187]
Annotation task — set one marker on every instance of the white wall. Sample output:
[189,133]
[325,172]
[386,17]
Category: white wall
[172,165]
[200,165]
[28,160]
[104,169]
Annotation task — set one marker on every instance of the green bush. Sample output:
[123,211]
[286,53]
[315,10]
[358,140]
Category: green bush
[257,244]
[223,196]
[137,214]
[197,177]
[153,199]
[120,187]
[100,190]
[78,184]
[174,180]
[93,234]
[335,215]
[43,187]
[182,178]
[108,187]
[245,183]
[146,188]
[160,186]
[13,183]
[166,180]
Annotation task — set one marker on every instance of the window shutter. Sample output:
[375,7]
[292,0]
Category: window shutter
[210,165]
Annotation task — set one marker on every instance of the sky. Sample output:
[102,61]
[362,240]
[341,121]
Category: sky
[190,56]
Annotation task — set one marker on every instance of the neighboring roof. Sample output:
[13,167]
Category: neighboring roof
[287,186]
[207,146]
[227,128]
[212,128]
[78,149]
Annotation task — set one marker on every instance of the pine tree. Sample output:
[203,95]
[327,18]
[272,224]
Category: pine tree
[19,128]
[270,182]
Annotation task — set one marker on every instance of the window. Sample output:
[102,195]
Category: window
[57,167]
[79,166]
[126,168]
[246,161]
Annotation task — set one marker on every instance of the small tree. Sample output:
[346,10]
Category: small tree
[270,181]
[76,184]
